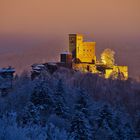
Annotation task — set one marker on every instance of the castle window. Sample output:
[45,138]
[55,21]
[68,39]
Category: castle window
[78,49]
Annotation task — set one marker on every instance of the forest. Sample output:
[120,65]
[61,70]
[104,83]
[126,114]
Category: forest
[70,105]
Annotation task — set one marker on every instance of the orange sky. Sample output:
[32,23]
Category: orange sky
[51,16]
[52,20]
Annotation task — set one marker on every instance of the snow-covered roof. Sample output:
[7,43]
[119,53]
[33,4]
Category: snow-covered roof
[65,53]
[38,68]
[9,69]
[52,63]
[37,65]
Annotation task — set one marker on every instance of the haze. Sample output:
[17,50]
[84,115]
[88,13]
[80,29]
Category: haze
[37,30]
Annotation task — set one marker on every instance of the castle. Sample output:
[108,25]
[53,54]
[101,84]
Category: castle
[82,57]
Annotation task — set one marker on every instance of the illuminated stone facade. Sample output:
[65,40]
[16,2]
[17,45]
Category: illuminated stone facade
[82,52]
[84,59]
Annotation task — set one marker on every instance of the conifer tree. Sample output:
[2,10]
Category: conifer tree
[80,125]
[60,108]
[42,100]
[110,125]
[29,115]
[41,96]
[137,124]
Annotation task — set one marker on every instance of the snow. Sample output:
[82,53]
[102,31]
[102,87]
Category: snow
[70,106]
[11,70]
[52,63]
[65,53]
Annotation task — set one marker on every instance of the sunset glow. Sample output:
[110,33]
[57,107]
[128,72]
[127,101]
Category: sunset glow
[33,30]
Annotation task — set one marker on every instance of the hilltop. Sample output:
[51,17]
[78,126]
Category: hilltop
[69,105]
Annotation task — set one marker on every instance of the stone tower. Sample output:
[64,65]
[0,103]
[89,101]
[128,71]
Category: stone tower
[83,52]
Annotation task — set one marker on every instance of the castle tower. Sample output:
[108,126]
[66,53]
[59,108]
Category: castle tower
[72,45]
[83,52]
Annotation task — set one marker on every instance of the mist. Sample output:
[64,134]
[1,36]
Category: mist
[33,31]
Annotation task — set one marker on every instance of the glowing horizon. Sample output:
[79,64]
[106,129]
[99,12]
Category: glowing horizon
[30,25]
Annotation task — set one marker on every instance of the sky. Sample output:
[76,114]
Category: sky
[34,31]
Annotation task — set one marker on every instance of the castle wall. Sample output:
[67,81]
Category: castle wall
[122,69]
[85,67]
[86,52]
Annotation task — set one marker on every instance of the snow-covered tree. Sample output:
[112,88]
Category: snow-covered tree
[9,129]
[111,124]
[107,57]
[81,128]
[137,124]
[54,133]
[49,108]
[41,95]
[60,106]
[29,115]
